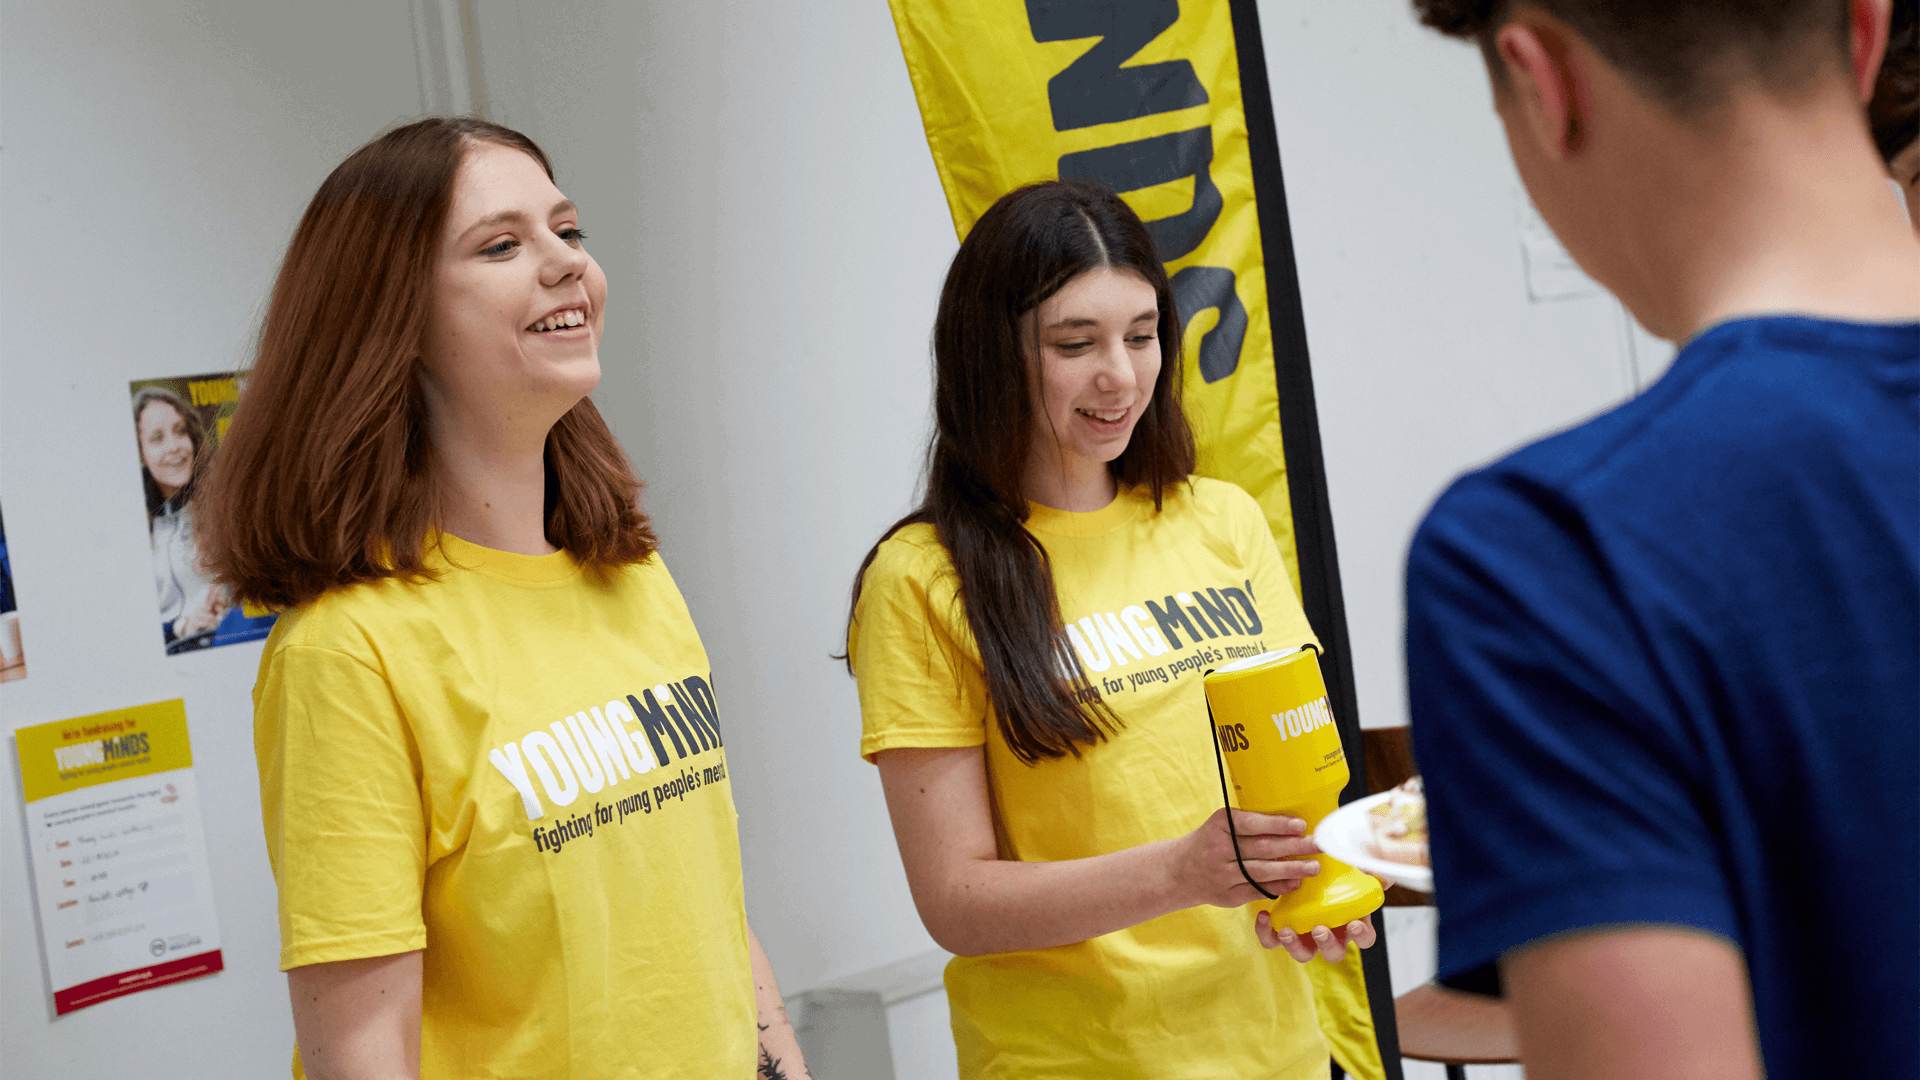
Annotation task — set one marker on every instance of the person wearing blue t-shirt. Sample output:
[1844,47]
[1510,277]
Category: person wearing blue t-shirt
[1664,668]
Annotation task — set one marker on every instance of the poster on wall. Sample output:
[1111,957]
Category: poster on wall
[119,857]
[13,658]
[178,423]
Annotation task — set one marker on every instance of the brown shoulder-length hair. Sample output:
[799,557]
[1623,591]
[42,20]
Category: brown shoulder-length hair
[326,477]
[1025,248]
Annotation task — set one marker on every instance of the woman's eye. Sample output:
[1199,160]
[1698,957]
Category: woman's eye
[504,247]
[573,235]
[1074,346]
[1141,340]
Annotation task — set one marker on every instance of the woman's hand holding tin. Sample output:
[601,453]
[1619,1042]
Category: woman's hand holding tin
[1329,945]
[1206,871]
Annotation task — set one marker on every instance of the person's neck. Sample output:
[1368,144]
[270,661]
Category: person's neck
[1079,485]
[1769,208]
[493,486]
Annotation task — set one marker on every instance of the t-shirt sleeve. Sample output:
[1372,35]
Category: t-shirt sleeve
[341,800]
[1560,778]
[920,681]
[1284,623]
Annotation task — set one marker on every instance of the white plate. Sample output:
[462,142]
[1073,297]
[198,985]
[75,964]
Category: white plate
[1347,835]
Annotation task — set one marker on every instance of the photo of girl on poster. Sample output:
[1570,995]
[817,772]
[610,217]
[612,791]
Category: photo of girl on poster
[177,423]
[13,661]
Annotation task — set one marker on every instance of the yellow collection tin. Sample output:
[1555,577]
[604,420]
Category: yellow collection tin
[1283,754]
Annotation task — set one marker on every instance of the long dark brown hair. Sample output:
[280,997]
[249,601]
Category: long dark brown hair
[1024,249]
[326,476]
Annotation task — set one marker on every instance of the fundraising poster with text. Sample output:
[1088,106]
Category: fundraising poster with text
[119,856]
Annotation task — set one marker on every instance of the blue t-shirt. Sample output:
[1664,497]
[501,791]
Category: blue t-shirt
[1665,668]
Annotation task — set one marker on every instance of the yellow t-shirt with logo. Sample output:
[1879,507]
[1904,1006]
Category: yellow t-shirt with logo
[1150,601]
[520,772]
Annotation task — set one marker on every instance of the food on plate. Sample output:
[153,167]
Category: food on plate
[1400,825]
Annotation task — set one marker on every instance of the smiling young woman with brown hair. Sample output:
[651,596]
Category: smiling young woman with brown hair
[476,640]
[330,476]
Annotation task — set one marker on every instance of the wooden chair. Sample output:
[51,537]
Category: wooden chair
[1453,1028]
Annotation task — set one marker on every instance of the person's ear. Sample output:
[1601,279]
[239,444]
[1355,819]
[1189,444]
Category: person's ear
[1867,37]
[1543,76]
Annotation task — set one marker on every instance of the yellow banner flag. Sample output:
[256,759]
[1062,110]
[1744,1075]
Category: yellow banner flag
[1147,97]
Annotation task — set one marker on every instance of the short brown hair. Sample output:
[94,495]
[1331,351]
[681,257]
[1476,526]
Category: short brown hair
[325,478]
[1684,54]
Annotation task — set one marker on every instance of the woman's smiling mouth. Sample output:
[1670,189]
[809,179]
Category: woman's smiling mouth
[1105,421]
[560,320]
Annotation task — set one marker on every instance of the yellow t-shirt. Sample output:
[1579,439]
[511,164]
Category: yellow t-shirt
[1150,601]
[520,772]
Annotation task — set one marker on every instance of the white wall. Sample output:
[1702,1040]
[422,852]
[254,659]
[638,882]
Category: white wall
[757,186]
[1428,355]
[157,154]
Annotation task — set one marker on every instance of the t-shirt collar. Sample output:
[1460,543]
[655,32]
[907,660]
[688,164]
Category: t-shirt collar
[507,566]
[1124,509]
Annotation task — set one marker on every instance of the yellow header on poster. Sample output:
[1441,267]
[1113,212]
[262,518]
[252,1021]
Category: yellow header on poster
[1146,99]
[68,755]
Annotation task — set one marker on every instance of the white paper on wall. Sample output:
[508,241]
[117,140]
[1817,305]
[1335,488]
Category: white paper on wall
[119,855]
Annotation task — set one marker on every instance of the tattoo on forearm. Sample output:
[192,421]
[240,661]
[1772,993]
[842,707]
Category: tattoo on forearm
[770,1066]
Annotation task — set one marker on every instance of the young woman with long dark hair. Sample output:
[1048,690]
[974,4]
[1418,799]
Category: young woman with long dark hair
[491,762]
[1029,644]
